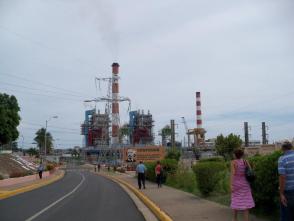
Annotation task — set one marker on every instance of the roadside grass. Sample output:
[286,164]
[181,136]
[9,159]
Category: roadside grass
[184,179]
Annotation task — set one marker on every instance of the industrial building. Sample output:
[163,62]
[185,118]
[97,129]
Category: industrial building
[103,131]
[96,128]
[141,125]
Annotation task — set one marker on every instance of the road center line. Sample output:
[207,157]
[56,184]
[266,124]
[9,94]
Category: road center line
[57,201]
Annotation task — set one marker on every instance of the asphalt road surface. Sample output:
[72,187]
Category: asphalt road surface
[80,195]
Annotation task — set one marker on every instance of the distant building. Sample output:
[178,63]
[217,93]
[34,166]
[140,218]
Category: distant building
[253,143]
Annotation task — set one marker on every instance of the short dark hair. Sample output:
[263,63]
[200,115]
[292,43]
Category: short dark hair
[158,162]
[239,153]
[287,145]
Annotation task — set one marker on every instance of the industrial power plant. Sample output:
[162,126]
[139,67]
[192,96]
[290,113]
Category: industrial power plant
[106,140]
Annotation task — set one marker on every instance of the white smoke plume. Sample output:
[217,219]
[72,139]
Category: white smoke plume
[102,14]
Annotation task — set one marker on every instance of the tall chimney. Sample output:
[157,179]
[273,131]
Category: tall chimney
[172,126]
[115,103]
[264,135]
[246,131]
[198,110]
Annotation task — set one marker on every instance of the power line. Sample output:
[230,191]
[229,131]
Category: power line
[42,90]
[64,128]
[54,131]
[41,83]
[42,95]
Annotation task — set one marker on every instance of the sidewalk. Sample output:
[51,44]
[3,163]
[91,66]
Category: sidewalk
[16,188]
[182,206]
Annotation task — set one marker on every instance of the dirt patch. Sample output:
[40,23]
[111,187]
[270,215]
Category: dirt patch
[9,168]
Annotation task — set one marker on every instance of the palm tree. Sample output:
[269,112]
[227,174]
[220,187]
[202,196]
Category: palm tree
[40,139]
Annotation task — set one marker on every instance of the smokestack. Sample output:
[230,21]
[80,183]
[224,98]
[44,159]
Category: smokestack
[198,110]
[246,134]
[173,140]
[264,135]
[115,103]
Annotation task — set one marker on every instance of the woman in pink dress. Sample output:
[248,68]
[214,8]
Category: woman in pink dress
[241,197]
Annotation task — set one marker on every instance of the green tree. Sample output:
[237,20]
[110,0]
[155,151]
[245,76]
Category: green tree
[165,134]
[166,131]
[225,146]
[40,139]
[75,153]
[9,118]
[33,152]
[173,153]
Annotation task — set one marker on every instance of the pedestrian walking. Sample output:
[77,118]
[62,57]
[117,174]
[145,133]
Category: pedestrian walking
[141,171]
[95,168]
[40,170]
[159,174]
[99,166]
[241,196]
[286,182]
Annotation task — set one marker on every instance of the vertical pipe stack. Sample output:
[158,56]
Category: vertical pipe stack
[264,135]
[173,135]
[115,103]
[198,110]
[246,135]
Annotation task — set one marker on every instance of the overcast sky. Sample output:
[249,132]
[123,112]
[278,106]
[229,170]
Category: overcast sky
[239,54]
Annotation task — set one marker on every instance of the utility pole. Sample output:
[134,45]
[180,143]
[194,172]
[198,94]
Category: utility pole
[172,126]
[45,145]
[187,130]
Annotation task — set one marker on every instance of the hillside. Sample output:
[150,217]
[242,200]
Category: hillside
[15,166]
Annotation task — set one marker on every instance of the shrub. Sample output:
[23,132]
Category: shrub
[223,186]
[150,174]
[208,175]
[183,179]
[1,177]
[173,154]
[169,167]
[121,170]
[212,159]
[265,186]
[50,167]
[17,174]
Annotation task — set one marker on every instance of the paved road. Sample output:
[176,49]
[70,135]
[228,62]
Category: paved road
[79,195]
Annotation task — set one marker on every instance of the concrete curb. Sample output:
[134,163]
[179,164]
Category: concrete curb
[160,214]
[8,193]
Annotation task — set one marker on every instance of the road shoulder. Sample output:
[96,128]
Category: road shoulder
[25,187]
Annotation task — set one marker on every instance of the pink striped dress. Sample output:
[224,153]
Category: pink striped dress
[241,197]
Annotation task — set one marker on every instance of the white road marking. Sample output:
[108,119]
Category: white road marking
[57,201]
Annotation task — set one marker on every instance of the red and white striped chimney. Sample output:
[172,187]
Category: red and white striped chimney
[198,110]
[115,103]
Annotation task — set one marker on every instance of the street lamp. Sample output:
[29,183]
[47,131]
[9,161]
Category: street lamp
[45,146]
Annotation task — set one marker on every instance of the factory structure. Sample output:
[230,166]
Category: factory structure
[106,140]
[103,134]
[96,130]
[141,128]
[198,133]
